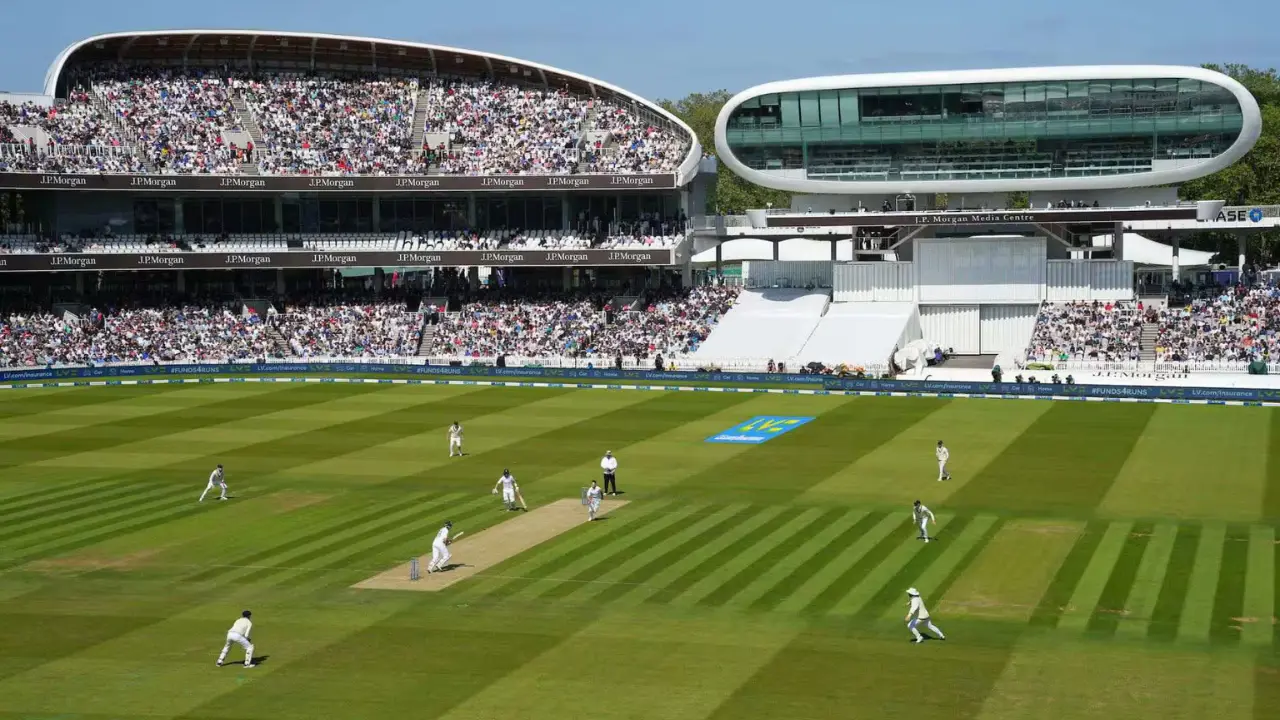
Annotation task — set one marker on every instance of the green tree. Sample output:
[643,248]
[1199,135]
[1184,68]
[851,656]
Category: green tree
[1254,179]
[732,195]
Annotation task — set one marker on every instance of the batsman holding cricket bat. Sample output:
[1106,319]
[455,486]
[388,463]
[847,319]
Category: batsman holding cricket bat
[510,491]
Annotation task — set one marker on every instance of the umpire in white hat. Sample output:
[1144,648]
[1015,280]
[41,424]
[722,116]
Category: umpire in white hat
[609,465]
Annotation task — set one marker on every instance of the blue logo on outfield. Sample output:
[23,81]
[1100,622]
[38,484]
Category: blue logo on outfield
[759,429]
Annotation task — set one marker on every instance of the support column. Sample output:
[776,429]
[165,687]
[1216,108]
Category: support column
[1177,245]
[280,282]
[835,244]
[777,250]
[566,217]
[179,219]
[473,277]
[279,208]
[567,279]
[1117,241]
[1241,243]
[181,283]
[719,260]
[376,215]
[471,211]
[79,284]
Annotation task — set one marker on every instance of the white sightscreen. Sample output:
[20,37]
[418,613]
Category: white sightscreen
[981,270]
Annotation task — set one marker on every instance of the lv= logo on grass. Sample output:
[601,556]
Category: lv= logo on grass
[759,429]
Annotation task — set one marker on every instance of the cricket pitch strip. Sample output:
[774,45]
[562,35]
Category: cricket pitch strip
[473,554]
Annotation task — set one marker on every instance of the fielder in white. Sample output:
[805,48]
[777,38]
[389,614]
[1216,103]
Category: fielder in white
[440,549]
[216,480]
[239,635]
[923,517]
[943,456]
[509,489]
[455,440]
[594,494]
[917,613]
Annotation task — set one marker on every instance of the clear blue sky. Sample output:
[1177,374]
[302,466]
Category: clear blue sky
[667,48]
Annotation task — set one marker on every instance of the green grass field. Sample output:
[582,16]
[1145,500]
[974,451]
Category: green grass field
[1094,560]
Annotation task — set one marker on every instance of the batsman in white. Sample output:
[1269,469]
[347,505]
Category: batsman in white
[943,456]
[509,488]
[923,516]
[455,440]
[239,635]
[440,549]
[917,613]
[594,495]
[216,480]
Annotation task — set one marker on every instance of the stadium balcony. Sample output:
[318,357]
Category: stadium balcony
[280,103]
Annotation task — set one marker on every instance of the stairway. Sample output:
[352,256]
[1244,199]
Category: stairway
[104,108]
[428,337]
[281,345]
[1147,346]
[244,119]
[420,109]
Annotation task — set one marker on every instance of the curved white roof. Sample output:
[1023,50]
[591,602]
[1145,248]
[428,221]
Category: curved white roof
[1248,135]
[687,168]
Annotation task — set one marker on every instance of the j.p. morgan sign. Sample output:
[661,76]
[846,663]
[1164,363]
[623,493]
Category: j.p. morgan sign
[307,259]
[416,183]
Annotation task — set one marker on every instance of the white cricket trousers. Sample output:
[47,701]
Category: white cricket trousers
[509,496]
[210,486]
[237,639]
[439,556]
[455,445]
[928,623]
[942,469]
[593,507]
[924,528]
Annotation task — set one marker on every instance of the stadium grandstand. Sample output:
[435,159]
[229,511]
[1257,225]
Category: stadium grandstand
[197,196]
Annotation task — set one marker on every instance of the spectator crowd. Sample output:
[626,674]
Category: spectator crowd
[668,324]
[168,120]
[1232,324]
[1087,331]
[174,334]
[365,330]
[195,333]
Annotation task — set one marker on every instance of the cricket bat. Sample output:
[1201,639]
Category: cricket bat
[520,497]
[454,539]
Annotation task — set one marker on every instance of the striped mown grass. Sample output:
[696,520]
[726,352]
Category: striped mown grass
[1088,558]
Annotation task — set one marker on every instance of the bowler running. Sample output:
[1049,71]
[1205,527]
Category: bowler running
[239,635]
[917,613]
[943,455]
[455,440]
[216,479]
[923,517]
[594,494]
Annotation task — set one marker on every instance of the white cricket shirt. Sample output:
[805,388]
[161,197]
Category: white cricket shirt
[917,608]
[242,627]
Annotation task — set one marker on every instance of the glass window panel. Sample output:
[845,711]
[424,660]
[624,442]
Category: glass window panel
[165,212]
[848,107]
[790,110]
[292,217]
[809,116]
[1078,88]
[829,105]
[552,213]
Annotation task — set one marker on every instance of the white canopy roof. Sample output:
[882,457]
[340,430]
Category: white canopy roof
[1145,251]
